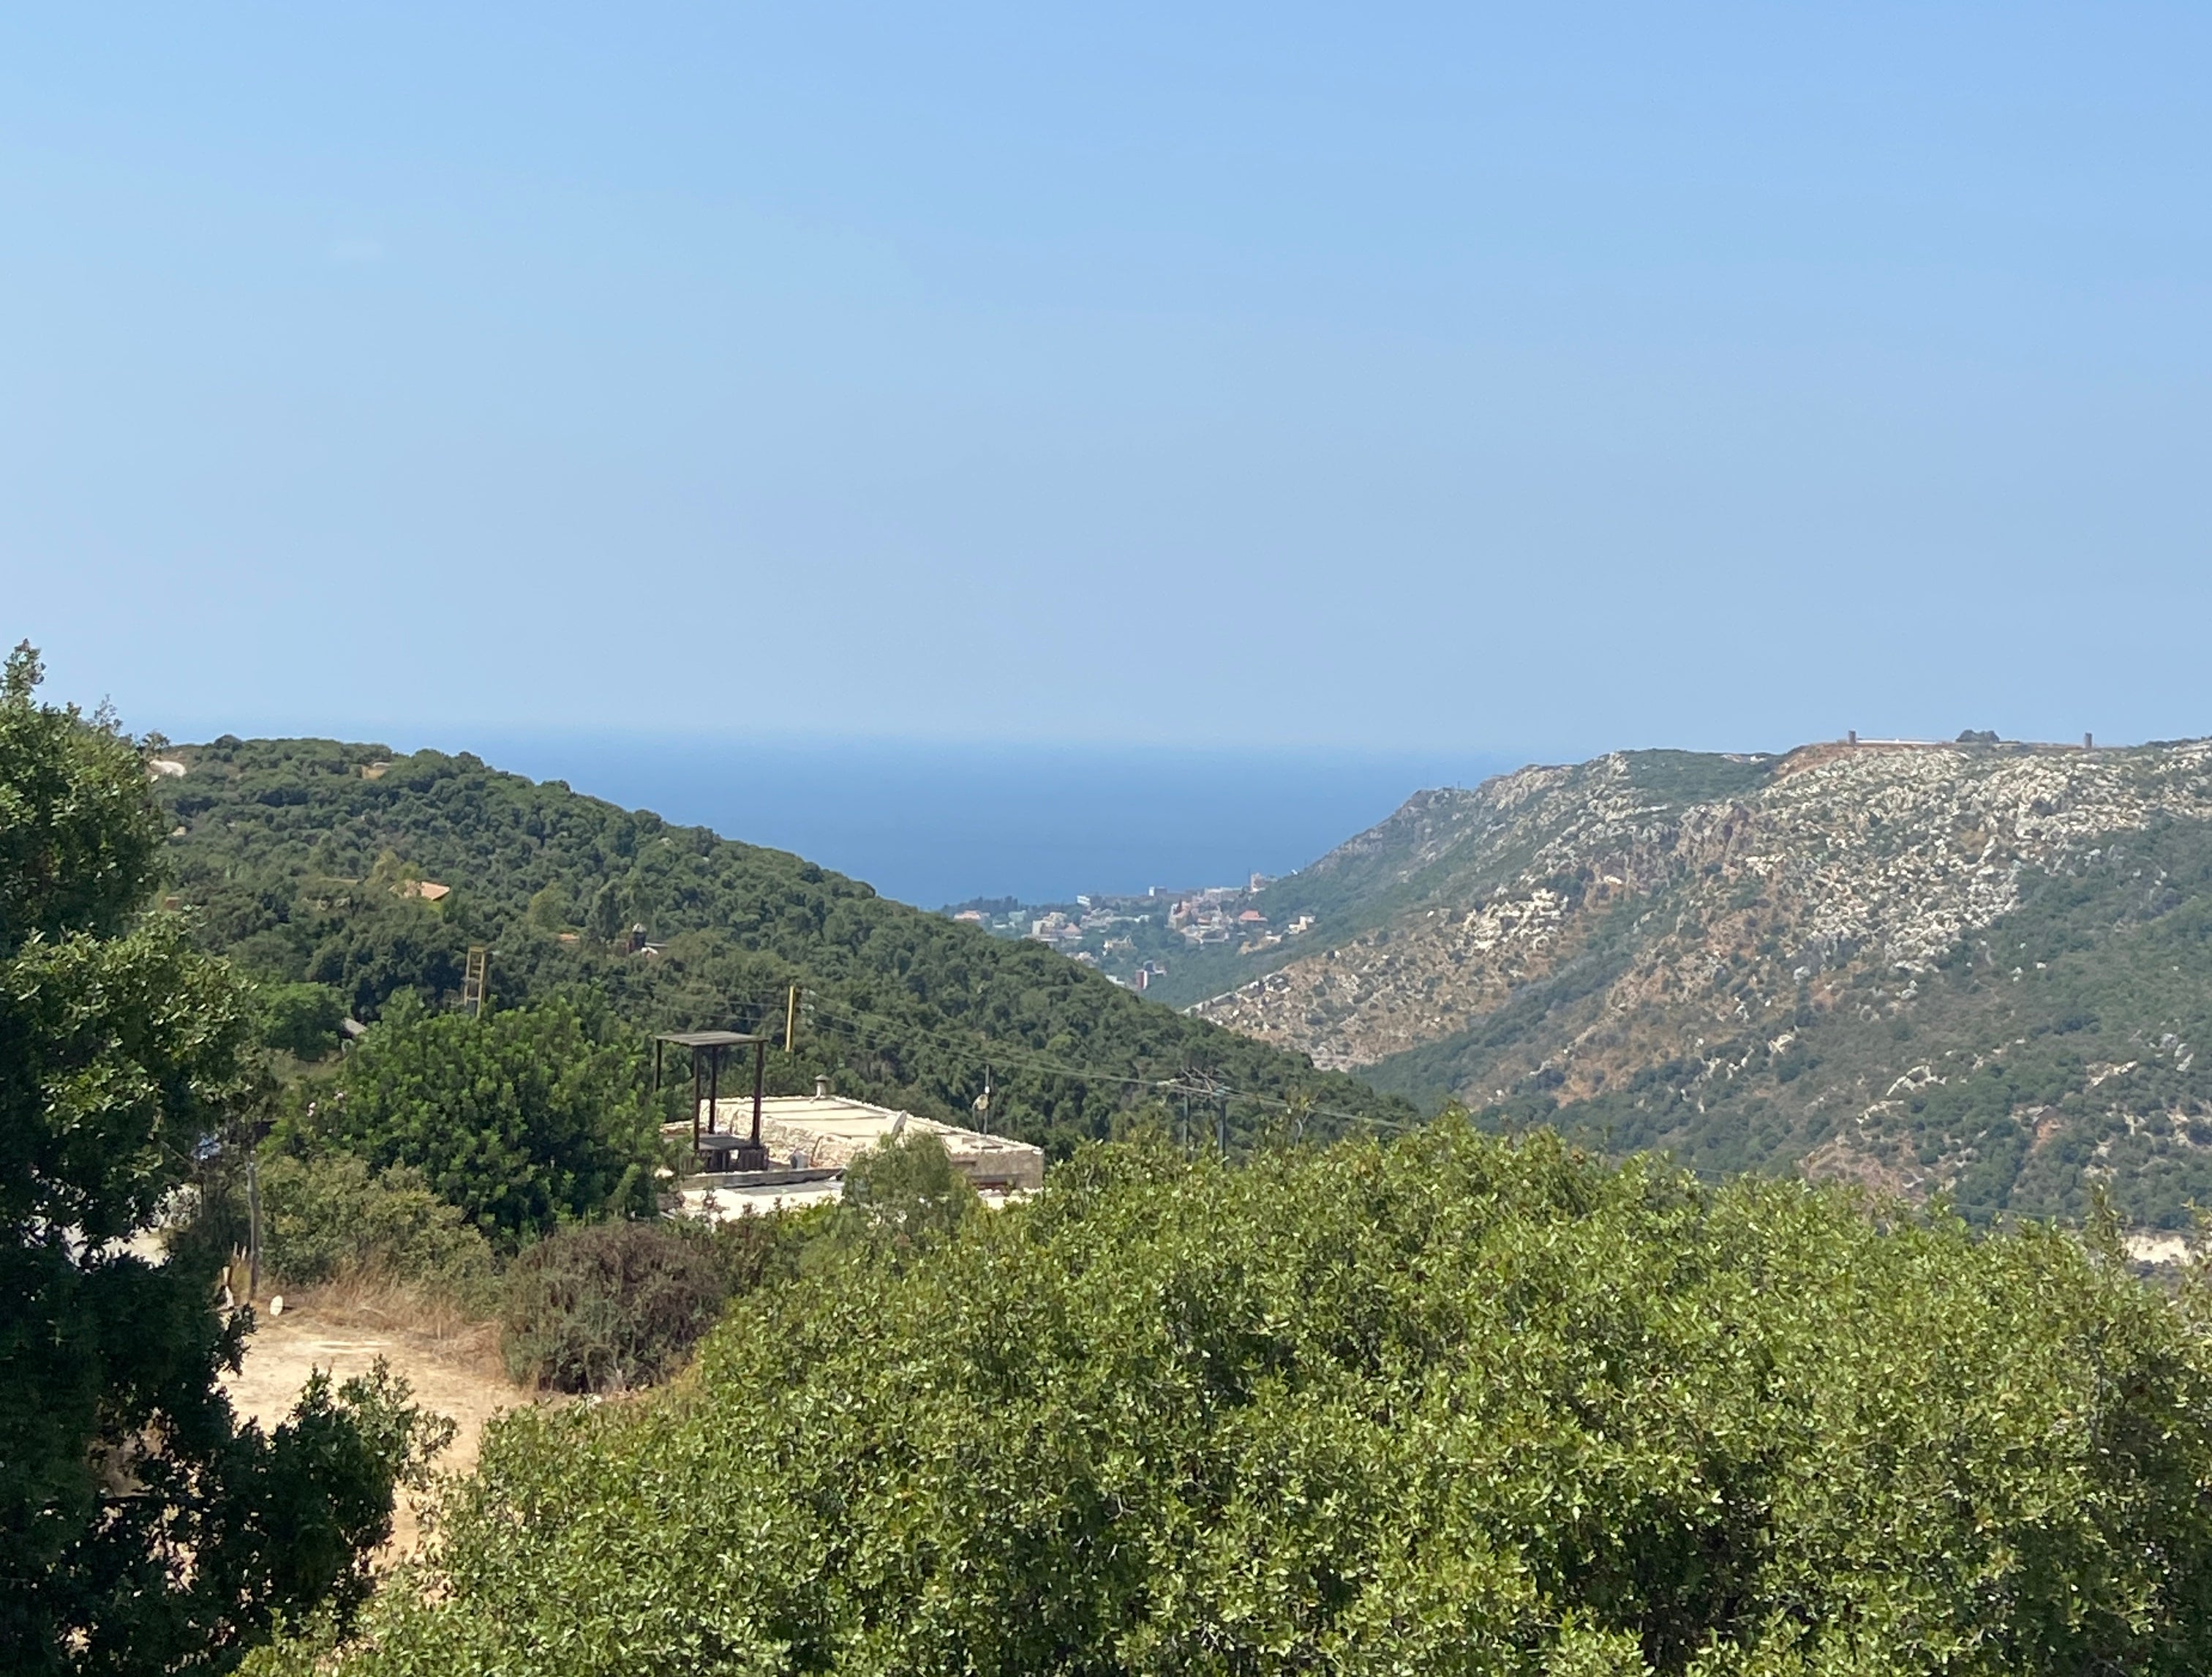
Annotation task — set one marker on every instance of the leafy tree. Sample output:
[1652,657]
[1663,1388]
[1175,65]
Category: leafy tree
[141,1529]
[900,1197]
[608,911]
[301,1019]
[1453,1404]
[549,909]
[522,1118]
[388,946]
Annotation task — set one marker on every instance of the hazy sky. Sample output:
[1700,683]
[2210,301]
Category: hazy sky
[1531,379]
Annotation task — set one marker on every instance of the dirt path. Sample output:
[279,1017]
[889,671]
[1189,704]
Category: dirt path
[454,1372]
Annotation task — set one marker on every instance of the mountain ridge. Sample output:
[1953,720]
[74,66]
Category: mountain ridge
[1681,950]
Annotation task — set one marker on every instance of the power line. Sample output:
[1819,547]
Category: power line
[862,1028]
[995,1051]
[877,1032]
[996,1054]
[996,1048]
[1180,1084]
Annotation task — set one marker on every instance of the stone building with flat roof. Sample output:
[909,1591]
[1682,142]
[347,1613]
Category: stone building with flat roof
[812,1139]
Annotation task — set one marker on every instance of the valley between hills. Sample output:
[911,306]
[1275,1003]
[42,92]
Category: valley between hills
[1975,970]
[1435,1392]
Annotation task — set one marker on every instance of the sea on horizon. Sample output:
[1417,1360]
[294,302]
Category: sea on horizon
[934,825]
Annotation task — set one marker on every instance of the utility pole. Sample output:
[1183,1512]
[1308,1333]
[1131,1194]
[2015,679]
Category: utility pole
[791,1022]
[759,1077]
[252,1228]
[256,1133]
[1204,1085]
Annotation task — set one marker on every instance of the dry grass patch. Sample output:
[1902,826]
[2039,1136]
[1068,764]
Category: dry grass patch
[344,1326]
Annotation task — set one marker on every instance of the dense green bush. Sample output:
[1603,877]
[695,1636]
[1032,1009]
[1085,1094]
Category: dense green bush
[1451,1405]
[620,1305]
[330,1215]
[900,1197]
[300,1019]
[521,1118]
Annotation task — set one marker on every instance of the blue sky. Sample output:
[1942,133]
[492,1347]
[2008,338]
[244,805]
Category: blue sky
[1524,379]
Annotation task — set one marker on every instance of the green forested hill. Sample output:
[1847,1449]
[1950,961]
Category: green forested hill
[298,857]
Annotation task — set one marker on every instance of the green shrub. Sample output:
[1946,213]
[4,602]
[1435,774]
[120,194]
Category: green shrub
[300,1019]
[522,1118]
[1452,1406]
[752,1252]
[902,1196]
[328,1215]
[611,1305]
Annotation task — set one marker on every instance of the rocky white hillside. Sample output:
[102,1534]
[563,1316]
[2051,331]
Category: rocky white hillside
[1809,959]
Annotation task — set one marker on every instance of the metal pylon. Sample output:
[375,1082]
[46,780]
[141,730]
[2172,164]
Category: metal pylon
[473,977]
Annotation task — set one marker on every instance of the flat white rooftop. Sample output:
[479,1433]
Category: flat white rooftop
[712,1200]
[831,1132]
[719,1203]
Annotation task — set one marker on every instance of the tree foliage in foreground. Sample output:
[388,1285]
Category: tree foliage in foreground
[1455,1404]
[141,1529]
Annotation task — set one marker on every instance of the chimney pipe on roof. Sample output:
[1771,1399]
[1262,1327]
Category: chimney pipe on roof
[820,1089]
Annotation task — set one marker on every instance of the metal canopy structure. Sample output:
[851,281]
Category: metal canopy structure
[708,1038]
[707,1049]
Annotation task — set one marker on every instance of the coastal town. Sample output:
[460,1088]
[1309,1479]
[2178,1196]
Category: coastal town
[1149,941]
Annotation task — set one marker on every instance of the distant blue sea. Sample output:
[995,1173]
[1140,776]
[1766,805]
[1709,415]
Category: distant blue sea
[935,823]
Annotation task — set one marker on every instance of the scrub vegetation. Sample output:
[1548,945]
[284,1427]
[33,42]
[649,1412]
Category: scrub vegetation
[1453,1404]
[1450,1402]
[1976,969]
[2056,1051]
